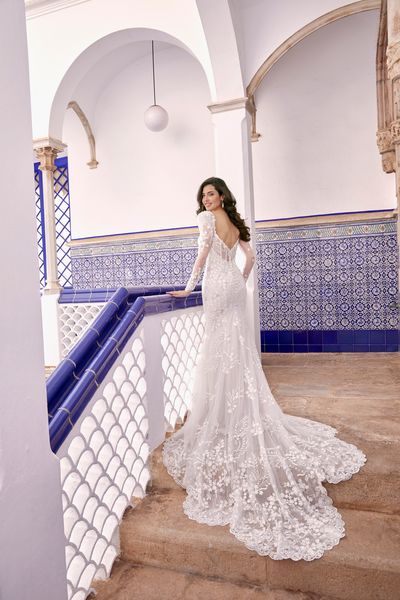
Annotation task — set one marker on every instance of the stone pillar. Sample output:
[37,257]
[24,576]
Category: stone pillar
[46,152]
[232,126]
[393,66]
[32,541]
[393,69]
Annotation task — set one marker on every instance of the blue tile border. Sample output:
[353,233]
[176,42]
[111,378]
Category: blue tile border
[367,340]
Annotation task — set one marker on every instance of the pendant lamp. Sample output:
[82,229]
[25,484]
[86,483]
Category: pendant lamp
[155,117]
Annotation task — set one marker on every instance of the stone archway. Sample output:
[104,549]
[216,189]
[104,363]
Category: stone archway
[92,56]
[272,59]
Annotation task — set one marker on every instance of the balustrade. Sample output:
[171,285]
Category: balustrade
[104,441]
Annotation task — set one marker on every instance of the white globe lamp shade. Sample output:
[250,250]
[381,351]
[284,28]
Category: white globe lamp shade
[156,118]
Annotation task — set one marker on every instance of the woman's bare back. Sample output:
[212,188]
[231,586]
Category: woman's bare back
[226,230]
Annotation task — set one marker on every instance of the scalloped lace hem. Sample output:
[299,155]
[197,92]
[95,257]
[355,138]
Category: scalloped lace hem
[294,517]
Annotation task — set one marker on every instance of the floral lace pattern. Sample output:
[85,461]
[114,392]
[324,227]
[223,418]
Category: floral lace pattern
[242,461]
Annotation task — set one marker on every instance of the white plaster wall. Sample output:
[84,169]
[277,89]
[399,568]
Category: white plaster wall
[58,38]
[317,116]
[32,563]
[145,180]
[263,25]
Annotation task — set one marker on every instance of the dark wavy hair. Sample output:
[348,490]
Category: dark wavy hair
[229,205]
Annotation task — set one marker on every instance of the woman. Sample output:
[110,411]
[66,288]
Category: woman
[243,462]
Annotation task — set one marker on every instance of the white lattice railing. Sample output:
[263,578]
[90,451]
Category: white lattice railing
[180,339]
[74,320]
[104,460]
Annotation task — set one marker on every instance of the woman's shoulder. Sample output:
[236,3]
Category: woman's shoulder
[205,217]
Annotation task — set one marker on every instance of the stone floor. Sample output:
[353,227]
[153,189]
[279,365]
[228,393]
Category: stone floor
[164,554]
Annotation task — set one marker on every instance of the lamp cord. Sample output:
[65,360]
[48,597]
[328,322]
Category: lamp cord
[154,75]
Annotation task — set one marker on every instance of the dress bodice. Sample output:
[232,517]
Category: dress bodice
[214,251]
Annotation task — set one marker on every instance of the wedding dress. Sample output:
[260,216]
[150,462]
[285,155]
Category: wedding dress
[243,462]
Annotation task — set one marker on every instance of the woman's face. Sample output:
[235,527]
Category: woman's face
[211,198]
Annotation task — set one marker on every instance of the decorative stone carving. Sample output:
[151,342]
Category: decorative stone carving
[46,150]
[253,110]
[384,89]
[395,131]
[46,156]
[86,125]
[386,148]
[393,60]
[384,140]
[389,162]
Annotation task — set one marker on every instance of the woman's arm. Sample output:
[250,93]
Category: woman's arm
[250,258]
[205,221]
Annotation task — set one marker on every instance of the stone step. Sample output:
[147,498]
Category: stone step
[364,566]
[376,486]
[359,395]
[150,583]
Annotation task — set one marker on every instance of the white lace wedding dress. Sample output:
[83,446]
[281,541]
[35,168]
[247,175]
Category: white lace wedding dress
[243,462]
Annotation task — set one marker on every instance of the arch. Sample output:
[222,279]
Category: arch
[216,17]
[93,55]
[326,19]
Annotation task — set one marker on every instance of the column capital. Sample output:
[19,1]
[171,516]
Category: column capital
[247,102]
[46,150]
[226,105]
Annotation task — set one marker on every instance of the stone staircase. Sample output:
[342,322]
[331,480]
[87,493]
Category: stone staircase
[166,555]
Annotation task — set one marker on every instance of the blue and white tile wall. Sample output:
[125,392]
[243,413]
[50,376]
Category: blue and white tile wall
[160,261]
[329,288]
[322,288]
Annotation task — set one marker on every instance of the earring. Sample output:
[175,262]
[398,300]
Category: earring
[222,204]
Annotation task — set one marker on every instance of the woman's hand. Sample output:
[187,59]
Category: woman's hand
[179,294]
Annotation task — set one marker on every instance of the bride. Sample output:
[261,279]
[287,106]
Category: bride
[243,462]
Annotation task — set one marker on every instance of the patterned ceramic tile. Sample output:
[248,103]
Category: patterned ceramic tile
[146,262]
[310,278]
[322,278]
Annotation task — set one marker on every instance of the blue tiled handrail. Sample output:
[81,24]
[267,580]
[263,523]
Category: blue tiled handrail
[73,383]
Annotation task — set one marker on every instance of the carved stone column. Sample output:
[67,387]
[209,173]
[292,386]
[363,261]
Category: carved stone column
[46,151]
[393,68]
[384,96]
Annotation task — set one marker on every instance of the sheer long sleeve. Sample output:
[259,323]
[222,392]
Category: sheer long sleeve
[205,221]
[250,258]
